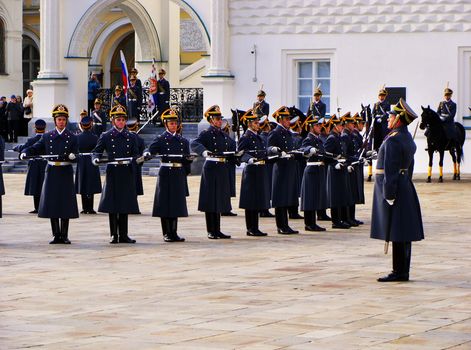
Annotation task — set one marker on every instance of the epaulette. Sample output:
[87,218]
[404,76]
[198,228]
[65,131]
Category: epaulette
[393,133]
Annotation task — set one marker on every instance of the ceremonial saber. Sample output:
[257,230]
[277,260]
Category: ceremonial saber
[147,122]
[104,161]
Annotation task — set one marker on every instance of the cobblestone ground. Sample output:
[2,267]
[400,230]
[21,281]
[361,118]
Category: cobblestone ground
[309,291]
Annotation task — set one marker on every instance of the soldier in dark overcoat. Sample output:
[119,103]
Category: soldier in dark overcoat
[313,185]
[380,118]
[254,189]
[347,139]
[296,129]
[58,199]
[285,187]
[447,111]
[119,197]
[87,176]
[170,191]
[100,120]
[338,189]
[215,192]
[163,92]
[2,159]
[134,98]
[317,108]
[265,129]
[231,164]
[359,154]
[118,98]
[261,108]
[36,167]
[396,215]
[325,130]
[133,127]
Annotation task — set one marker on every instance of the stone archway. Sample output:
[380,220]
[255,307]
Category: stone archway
[93,23]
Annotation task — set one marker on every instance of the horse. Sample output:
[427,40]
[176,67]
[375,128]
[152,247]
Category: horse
[237,122]
[438,142]
[365,114]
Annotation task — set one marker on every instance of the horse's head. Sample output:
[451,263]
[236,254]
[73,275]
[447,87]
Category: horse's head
[428,117]
[365,112]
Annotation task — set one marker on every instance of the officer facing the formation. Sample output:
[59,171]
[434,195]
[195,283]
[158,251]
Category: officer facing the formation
[133,127]
[87,176]
[36,167]
[215,194]
[396,215]
[285,188]
[447,111]
[254,190]
[119,197]
[2,159]
[313,186]
[338,189]
[317,108]
[170,192]
[99,118]
[58,199]
[348,213]
[119,98]
[260,107]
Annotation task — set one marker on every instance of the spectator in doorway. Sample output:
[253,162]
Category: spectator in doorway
[3,118]
[14,112]
[93,87]
[28,109]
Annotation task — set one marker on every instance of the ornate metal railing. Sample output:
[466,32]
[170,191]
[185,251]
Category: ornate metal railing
[187,101]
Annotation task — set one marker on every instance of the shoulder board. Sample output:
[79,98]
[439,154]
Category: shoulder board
[394,133]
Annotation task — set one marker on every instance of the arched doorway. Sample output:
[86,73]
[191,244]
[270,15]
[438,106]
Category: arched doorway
[127,46]
[30,62]
[2,47]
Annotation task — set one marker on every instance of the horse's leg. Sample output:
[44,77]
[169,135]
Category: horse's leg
[370,169]
[453,157]
[440,165]
[459,152]
[430,164]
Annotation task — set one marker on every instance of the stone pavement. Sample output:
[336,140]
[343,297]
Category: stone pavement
[309,291]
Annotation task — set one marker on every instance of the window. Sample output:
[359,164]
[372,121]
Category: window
[2,47]
[309,75]
[30,62]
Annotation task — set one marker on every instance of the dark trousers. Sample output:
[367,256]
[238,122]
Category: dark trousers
[36,200]
[401,256]
[281,217]
[213,222]
[251,220]
[13,129]
[87,203]
[60,227]
[118,225]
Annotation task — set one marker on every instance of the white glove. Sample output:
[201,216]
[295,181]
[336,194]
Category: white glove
[275,149]
[350,169]
[95,161]
[72,156]
[312,151]
[205,154]
[22,156]
[338,166]
[369,153]
[146,154]
[251,161]
[338,157]
[390,201]
[283,154]
[442,118]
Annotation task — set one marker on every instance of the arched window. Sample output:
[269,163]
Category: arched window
[30,62]
[2,48]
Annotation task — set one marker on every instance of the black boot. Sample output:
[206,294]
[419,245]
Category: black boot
[123,229]
[56,232]
[310,221]
[336,219]
[210,225]
[228,213]
[90,204]
[345,216]
[166,230]
[294,213]
[352,210]
[251,221]
[266,214]
[322,215]
[65,231]
[221,235]
[173,229]
[281,215]
[84,204]
[401,261]
[36,200]
[113,228]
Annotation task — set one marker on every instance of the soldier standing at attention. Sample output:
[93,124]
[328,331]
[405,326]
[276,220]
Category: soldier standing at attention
[231,164]
[119,197]
[379,122]
[118,98]
[215,194]
[359,168]
[36,167]
[260,107]
[254,190]
[58,199]
[99,118]
[2,159]
[285,188]
[325,130]
[313,187]
[396,215]
[170,192]
[264,130]
[133,127]
[87,176]
[317,108]
[163,92]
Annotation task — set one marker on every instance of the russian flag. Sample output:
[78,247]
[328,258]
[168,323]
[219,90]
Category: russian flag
[124,72]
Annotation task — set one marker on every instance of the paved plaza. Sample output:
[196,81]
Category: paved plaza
[307,291]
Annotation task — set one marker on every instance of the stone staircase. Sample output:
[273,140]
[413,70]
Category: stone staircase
[14,165]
